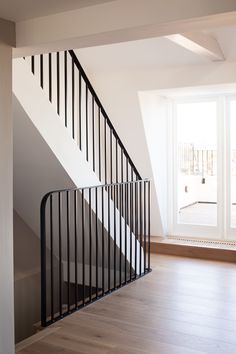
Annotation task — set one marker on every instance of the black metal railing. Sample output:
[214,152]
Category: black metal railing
[96,239]
[88,247]
[68,88]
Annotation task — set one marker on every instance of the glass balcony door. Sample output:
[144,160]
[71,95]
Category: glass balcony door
[197,166]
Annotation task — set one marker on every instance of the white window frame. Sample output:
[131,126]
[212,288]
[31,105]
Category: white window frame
[200,231]
[230,232]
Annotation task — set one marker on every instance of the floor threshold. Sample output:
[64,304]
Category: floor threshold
[219,244]
[195,248]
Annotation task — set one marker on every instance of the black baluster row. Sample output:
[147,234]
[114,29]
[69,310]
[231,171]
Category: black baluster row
[69,89]
[88,247]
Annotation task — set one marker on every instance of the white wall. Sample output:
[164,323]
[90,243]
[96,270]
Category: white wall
[154,113]
[27,279]
[36,170]
[6,203]
[118,90]
[50,163]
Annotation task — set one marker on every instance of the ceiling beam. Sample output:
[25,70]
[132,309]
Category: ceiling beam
[199,43]
[7,32]
[120,21]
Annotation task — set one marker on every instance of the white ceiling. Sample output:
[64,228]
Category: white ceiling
[18,10]
[136,55]
[151,53]
[226,38]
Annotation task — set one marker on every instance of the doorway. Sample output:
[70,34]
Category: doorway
[202,154]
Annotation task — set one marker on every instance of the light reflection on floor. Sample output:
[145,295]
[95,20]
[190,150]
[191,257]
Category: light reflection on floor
[203,214]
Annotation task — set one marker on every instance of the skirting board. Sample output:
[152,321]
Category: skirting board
[207,250]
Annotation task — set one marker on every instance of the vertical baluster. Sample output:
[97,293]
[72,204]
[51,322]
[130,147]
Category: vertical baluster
[65,78]
[103,266]
[50,76]
[121,228]
[140,227]
[111,162]
[32,64]
[41,70]
[133,215]
[90,246]
[43,264]
[93,134]
[149,229]
[73,97]
[80,112]
[105,150]
[122,165]
[127,169]
[96,214]
[126,224]
[144,225]
[68,248]
[109,236]
[116,160]
[76,248]
[122,180]
[83,247]
[136,225]
[114,203]
[60,253]
[86,123]
[131,229]
[51,258]
[99,143]
[58,83]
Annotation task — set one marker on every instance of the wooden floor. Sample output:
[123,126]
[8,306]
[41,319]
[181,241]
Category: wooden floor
[210,250]
[185,306]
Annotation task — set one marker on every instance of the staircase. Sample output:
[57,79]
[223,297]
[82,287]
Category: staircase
[95,238]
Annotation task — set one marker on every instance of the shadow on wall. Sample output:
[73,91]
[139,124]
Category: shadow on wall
[27,271]
[27,279]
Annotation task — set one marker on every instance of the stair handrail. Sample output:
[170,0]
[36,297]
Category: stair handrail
[93,92]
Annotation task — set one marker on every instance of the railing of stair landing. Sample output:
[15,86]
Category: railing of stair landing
[92,244]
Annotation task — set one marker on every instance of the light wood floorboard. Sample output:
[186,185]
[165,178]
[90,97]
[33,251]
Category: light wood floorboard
[185,306]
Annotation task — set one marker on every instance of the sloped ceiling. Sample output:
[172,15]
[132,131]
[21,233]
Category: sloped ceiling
[26,9]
